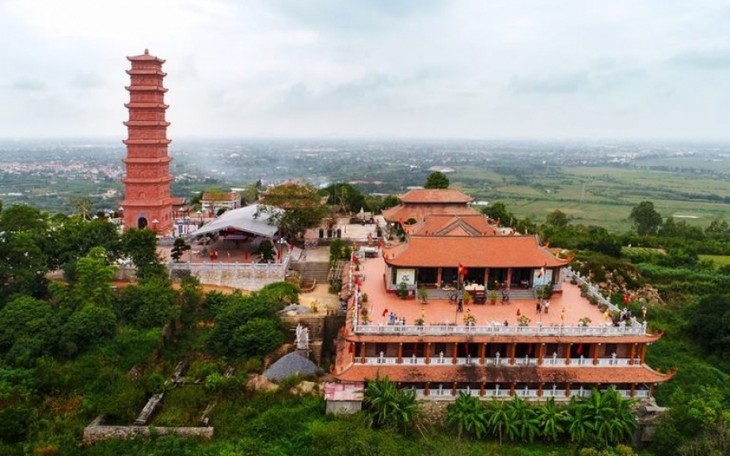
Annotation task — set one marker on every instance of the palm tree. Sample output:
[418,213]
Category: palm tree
[390,406]
[406,411]
[468,414]
[525,419]
[499,421]
[381,398]
[550,420]
[627,422]
[578,421]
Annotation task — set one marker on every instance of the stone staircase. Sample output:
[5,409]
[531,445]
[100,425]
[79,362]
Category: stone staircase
[521,293]
[318,270]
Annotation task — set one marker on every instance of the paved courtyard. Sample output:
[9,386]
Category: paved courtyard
[566,308]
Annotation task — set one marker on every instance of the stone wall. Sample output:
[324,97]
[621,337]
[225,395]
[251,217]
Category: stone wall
[96,432]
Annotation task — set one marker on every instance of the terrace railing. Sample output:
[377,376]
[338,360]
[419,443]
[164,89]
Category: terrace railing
[634,329]
[593,291]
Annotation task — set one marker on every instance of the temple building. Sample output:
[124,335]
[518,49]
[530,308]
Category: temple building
[458,304]
[147,202]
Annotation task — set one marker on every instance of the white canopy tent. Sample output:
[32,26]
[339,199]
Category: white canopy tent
[250,219]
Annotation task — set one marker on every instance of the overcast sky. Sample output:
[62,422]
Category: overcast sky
[379,69]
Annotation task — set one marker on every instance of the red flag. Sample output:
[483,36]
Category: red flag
[462,270]
[385,312]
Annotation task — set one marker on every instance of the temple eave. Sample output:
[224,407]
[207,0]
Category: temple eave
[146,88]
[143,105]
[146,123]
[146,142]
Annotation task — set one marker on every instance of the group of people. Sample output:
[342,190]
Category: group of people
[542,306]
[393,319]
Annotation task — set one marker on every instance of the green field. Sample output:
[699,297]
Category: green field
[718,260]
[602,196]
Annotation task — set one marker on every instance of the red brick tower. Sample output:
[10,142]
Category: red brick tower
[147,201]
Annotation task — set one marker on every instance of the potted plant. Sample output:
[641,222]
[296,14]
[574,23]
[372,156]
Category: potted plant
[402,291]
[584,290]
[419,322]
[585,321]
[423,295]
[469,319]
[493,297]
[364,316]
[523,321]
[364,298]
[466,297]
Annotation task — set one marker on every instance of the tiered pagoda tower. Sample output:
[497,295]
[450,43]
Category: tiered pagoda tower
[147,201]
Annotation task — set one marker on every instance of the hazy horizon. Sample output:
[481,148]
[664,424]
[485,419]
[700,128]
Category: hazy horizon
[373,69]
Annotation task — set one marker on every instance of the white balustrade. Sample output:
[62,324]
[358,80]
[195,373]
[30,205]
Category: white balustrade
[498,330]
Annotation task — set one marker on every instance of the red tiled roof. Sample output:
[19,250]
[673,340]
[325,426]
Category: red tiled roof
[506,374]
[403,212]
[432,195]
[479,252]
[453,225]
[145,57]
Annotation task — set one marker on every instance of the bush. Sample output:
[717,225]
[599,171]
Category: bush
[280,294]
[86,327]
[246,326]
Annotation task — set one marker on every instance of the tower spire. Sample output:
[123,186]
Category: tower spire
[147,201]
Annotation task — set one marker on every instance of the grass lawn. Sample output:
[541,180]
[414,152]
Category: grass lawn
[718,260]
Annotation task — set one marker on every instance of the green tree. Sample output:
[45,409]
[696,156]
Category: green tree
[709,323]
[279,294]
[345,197]
[437,179]
[190,298]
[646,219]
[293,207]
[20,217]
[467,414]
[149,304]
[266,250]
[141,247]
[88,326]
[93,279]
[525,419]
[232,332]
[557,218]
[718,229]
[500,421]
[579,423]
[178,249]
[498,211]
[22,264]
[550,420]
[255,338]
[74,238]
[390,407]
[28,330]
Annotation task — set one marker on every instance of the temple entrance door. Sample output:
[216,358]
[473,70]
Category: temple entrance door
[142,222]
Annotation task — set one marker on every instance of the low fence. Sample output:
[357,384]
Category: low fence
[249,276]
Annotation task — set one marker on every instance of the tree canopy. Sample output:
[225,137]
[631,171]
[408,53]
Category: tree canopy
[301,205]
[646,219]
[437,179]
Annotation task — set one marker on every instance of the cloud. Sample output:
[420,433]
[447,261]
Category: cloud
[29,84]
[553,84]
[714,59]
